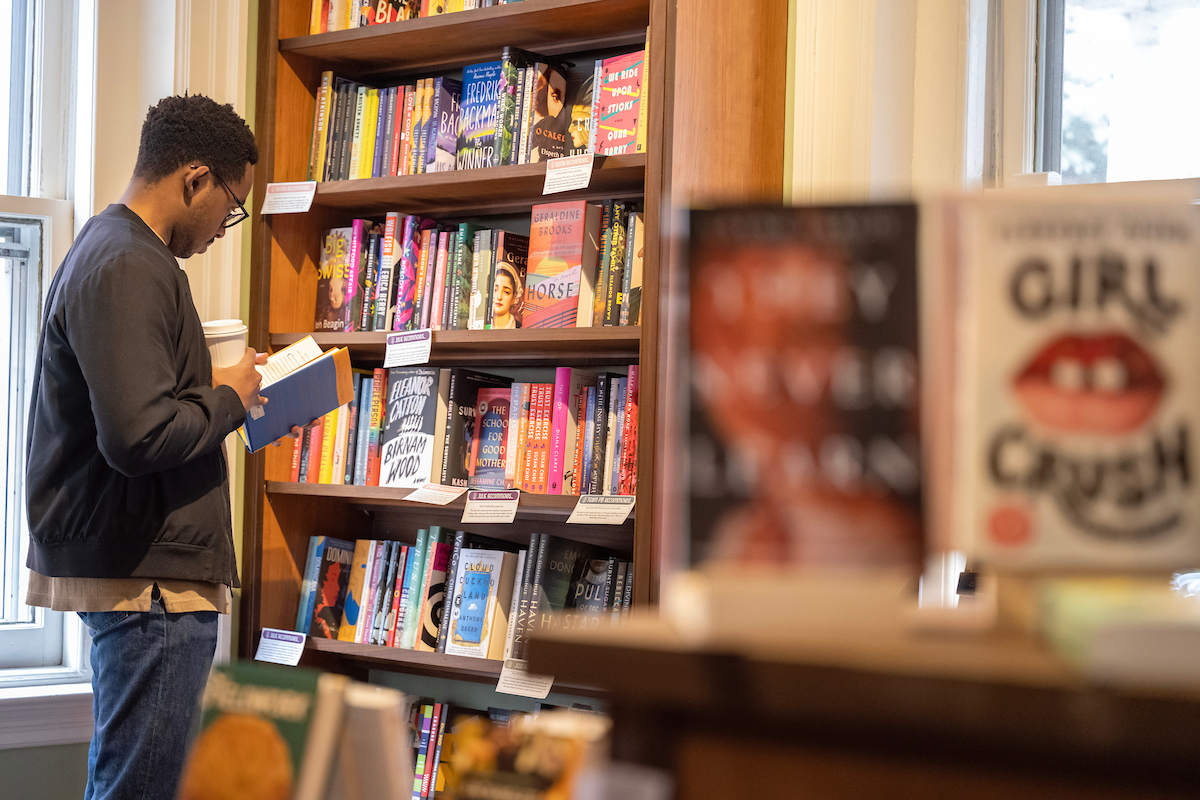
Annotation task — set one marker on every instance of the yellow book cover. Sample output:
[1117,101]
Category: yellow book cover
[321,131]
[329,436]
[366,148]
[360,102]
[643,121]
[354,591]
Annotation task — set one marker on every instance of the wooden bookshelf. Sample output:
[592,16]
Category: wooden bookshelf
[544,346]
[739,95]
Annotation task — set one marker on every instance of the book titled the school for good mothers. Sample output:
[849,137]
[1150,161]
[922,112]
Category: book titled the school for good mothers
[301,384]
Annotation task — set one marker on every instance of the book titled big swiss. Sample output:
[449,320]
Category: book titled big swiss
[1079,386]
[563,247]
[804,435]
[301,384]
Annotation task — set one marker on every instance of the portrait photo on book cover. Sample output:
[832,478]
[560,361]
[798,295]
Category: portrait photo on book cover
[804,443]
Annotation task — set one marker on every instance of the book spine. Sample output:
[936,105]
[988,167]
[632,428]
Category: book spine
[435,723]
[338,100]
[383,600]
[627,601]
[433,604]
[430,241]
[297,452]
[599,421]
[597,87]
[643,101]
[439,282]
[609,435]
[308,586]
[580,435]
[338,466]
[395,129]
[532,622]
[378,388]
[435,116]
[560,418]
[545,422]
[431,792]
[618,437]
[368,263]
[627,272]
[353,610]
[474,321]
[451,589]
[397,590]
[320,121]
[328,434]
[446,457]
[360,101]
[616,265]
[629,434]
[383,291]
[311,470]
[410,105]
[515,605]
[382,140]
[506,101]
[412,575]
[404,273]
[366,395]
[510,448]
[521,122]
[529,445]
[589,436]
[531,556]
[606,218]
[420,316]
[370,584]
[422,748]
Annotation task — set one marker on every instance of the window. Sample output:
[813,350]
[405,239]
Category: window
[38,46]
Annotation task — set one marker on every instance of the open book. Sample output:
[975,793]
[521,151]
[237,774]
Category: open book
[302,383]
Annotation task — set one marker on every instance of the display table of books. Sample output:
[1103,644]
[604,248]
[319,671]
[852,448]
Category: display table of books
[900,715]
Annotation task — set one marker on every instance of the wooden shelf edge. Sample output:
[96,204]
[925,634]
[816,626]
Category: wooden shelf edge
[437,665]
[558,506]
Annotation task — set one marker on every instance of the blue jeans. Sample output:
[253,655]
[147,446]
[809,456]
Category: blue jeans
[149,670]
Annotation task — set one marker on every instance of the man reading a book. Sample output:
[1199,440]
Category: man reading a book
[127,490]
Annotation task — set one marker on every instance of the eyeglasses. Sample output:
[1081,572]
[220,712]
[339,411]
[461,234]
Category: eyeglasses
[233,217]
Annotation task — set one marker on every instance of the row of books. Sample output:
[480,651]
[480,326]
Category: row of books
[522,109]
[581,266]
[415,425]
[457,592]
[341,15]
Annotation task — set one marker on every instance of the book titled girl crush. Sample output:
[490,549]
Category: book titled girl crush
[1079,387]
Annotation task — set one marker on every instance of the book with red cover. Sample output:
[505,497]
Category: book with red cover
[378,392]
[489,448]
[619,102]
[563,245]
[627,481]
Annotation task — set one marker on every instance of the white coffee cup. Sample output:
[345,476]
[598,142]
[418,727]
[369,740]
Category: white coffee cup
[226,339]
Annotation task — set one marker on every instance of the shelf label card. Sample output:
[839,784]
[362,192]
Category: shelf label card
[498,507]
[289,198]
[280,647]
[408,349]
[435,494]
[568,173]
[515,678]
[602,509]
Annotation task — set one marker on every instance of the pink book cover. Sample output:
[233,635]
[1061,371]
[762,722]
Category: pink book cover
[409,244]
[620,97]
[543,454]
[559,419]
[398,98]
[625,482]
[428,264]
[439,282]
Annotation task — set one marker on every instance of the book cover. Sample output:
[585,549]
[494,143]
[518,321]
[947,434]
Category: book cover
[463,263]
[563,243]
[320,134]
[284,720]
[1078,384]
[299,397]
[483,594]
[490,446]
[628,476]
[618,437]
[352,609]
[414,570]
[477,121]
[372,577]
[481,277]
[620,98]
[549,118]
[329,434]
[508,280]
[338,468]
[612,262]
[382,602]
[406,452]
[461,420]
[465,540]
[376,417]
[837,476]
[385,292]
[406,130]
[333,281]
[322,611]
[392,622]
[442,152]
[610,434]
[512,62]
[526,594]
[580,81]
[405,273]
[599,434]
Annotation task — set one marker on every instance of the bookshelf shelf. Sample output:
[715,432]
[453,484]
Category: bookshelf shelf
[438,665]
[494,190]
[552,27]
[549,346]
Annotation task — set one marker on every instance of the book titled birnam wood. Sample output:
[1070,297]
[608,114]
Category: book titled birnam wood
[301,384]
[407,450]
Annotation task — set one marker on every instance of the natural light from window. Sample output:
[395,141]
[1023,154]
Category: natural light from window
[1131,90]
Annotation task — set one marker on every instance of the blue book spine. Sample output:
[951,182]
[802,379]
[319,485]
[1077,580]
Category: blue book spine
[308,593]
[364,431]
[380,130]
[352,431]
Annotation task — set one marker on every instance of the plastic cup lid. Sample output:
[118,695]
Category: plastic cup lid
[220,327]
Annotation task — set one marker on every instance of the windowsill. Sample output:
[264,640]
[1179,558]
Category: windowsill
[35,716]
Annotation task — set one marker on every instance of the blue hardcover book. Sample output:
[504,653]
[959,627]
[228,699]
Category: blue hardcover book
[613,468]
[477,115]
[442,144]
[316,545]
[298,398]
[364,431]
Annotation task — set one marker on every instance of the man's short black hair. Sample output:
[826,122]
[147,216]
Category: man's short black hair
[194,129]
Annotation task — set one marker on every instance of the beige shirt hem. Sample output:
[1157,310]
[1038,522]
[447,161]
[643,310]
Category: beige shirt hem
[125,594]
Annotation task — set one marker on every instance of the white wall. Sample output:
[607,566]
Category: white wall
[888,97]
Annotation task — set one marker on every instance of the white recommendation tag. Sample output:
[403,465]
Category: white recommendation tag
[491,507]
[435,494]
[568,173]
[408,349]
[289,198]
[602,509]
[515,678]
[280,647]
[257,412]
